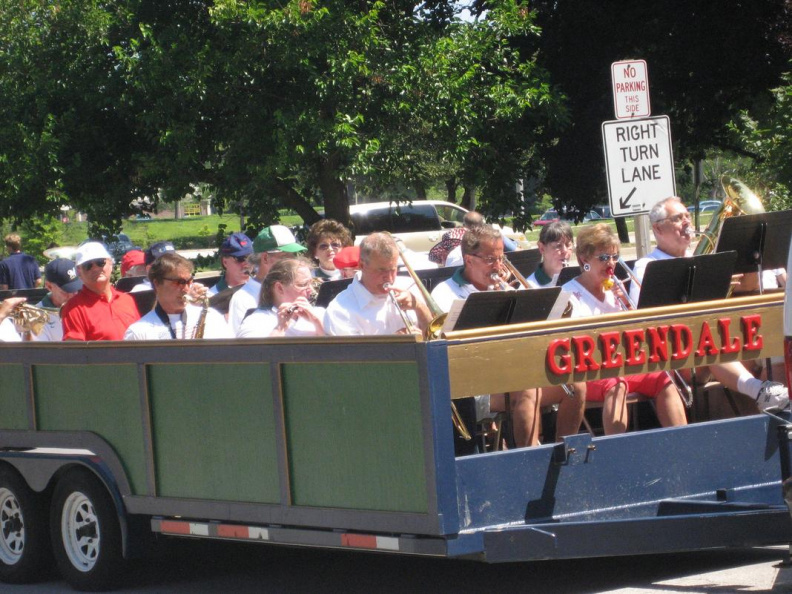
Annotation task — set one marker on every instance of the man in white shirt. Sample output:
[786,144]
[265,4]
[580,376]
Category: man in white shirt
[173,318]
[63,283]
[272,244]
[482,252]
[673,232]
[365,306]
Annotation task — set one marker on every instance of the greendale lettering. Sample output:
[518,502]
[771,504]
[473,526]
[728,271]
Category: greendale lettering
[655,344]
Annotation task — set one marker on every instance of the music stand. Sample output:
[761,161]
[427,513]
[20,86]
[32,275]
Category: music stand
[431,277]
[329,289]
[526,261]
[760,240]
[499,308]
[687,280]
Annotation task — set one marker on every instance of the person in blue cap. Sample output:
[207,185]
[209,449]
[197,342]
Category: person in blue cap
[63,283]
[234,253]
[154,251]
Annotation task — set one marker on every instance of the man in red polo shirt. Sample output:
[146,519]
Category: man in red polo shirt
[98,311]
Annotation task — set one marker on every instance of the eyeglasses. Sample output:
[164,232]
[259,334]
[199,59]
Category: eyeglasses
[561,247]
[240,259]
[489,260]
[100,263]
[608,257]
[326,246]
[677,218]
[182,282]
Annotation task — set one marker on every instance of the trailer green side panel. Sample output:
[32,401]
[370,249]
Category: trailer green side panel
[220,415]
[13,396]
[335,460]
[100,398]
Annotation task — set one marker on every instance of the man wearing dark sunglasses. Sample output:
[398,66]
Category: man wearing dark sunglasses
[173,318]
[234,253]
[98,311]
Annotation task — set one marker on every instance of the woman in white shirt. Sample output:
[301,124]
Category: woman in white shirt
[597,252]
[285,304]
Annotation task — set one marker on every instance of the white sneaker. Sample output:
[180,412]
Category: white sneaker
[772,396]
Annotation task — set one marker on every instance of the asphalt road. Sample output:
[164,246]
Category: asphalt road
[202,566]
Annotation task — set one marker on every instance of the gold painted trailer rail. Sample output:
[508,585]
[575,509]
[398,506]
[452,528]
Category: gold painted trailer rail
[508,358]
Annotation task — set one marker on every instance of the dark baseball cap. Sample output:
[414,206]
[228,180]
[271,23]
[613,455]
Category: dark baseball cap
[157,249]
[63,272]
[237,245]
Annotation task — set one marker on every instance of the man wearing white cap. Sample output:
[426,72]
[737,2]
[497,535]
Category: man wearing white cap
[98,311]
[274,243]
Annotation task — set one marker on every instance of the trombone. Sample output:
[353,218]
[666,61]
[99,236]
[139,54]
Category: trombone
[685,393]
[432,330]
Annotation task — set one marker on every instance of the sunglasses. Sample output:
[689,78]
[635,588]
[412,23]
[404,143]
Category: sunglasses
[326,246]
[240,259]
[182,282]
[99,263]
[608,257]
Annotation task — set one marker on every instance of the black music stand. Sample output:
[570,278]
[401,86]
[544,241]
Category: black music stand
[498,308]
[687,280]
[431,277]
[329,289]
[760,240]
[126,283]
[526,261]
[567,274]
[33,296]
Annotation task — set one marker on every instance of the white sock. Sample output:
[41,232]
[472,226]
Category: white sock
[748,384]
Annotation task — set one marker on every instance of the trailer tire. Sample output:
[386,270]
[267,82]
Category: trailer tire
[24,539]
[86,535]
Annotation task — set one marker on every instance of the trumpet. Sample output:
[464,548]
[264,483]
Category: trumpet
[627,304]
[498,283]
[31,319]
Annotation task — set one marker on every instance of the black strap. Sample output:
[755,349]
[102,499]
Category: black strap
[165,320]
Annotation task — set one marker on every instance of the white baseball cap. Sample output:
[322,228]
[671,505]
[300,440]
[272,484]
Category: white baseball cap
[93,250]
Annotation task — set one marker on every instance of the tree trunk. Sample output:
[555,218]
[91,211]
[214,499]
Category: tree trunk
[334,192]
[451,189]
[292,199]
[469,198]
[420,190]
[621,229]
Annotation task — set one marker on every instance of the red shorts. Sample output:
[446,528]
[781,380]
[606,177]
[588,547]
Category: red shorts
[646,384]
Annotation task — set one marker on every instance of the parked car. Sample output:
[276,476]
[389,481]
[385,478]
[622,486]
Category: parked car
[551,215]
[419,224]
[604,211]
[117,245]
[706,206]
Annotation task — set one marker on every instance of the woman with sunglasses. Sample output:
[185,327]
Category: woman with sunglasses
[597,252]
[285,304]
[325,240]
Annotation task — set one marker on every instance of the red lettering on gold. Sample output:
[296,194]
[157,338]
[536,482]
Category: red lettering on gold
[731,344]
[584,354]
[752,339]
[611,357]
[682,343]
[658,344]
[564,364]
[633,344]
[706,344]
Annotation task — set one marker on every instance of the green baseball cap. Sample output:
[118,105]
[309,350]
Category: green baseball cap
[276,238]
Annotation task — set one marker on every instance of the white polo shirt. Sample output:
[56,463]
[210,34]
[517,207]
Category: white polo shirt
[456,287]
[8,331]
[152,327]
[356,312]
[243,300]
[262,322]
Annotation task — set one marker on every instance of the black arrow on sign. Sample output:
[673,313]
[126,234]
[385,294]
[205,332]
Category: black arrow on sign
[625,202]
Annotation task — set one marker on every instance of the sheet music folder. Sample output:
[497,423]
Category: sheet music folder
[687,280]
[498,308]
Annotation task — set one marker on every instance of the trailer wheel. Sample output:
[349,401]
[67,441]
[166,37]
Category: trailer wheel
[86,536]
[24,544]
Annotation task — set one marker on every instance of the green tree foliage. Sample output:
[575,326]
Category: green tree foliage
[706,61]
[271,104]
[766,135]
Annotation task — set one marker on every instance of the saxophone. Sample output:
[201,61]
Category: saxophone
[198,331]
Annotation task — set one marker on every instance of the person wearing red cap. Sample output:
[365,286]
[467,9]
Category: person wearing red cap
[133,263]
[347,261]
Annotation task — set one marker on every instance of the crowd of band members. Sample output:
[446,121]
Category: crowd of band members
[276,278]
